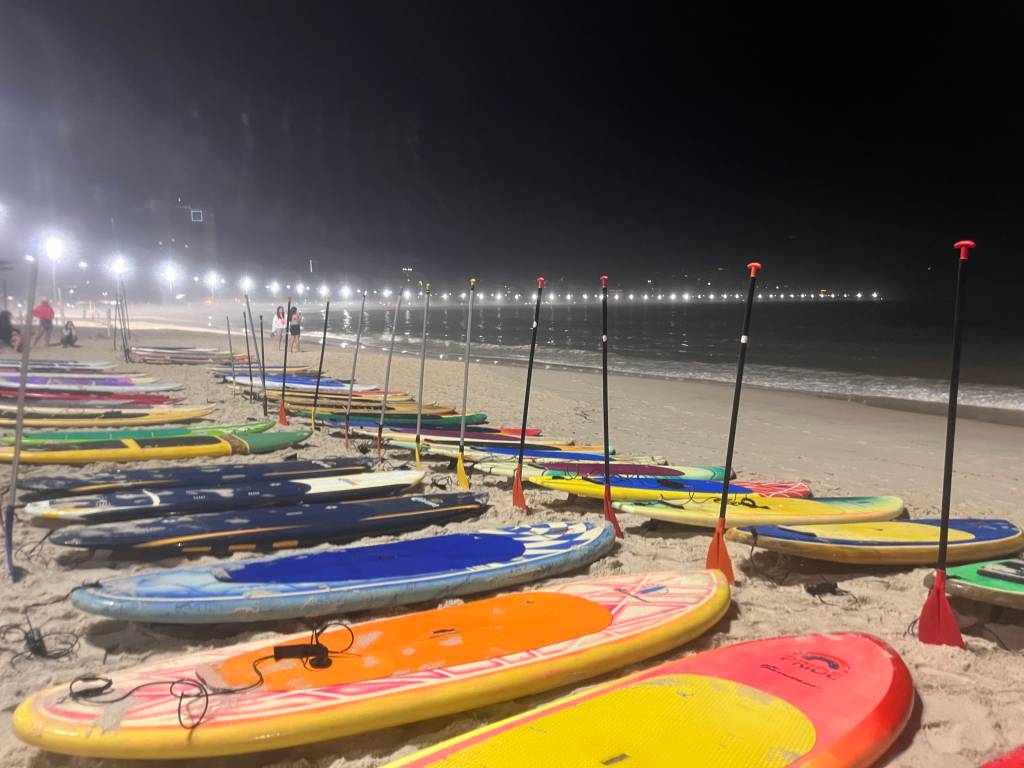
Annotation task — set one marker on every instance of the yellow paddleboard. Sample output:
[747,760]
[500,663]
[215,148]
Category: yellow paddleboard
[116,418]
[754,509]
[899,542]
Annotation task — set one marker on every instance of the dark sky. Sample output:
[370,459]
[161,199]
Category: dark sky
[503,139]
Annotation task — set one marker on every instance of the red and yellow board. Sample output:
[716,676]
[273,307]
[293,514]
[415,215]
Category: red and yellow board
[828,701]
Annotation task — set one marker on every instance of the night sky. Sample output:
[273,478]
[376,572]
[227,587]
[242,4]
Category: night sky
[835,143]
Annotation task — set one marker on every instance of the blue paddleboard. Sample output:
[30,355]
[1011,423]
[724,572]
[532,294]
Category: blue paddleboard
[337,581]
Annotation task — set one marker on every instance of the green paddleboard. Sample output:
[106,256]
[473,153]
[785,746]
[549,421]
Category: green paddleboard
[89,435]
[997,582]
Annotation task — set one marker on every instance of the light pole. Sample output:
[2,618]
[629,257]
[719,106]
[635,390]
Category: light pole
[55,252]
[212,280]
[170,274]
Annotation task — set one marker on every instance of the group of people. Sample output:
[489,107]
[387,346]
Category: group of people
[284,326]
[10,334]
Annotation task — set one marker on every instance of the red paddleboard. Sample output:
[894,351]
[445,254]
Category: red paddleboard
[99,397]
[828,701]
[516,431]
[1013,759]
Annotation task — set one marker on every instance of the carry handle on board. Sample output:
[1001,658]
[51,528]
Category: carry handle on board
[937,624]
[718,554]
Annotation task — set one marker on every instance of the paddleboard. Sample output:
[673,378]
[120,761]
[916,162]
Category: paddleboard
[645,488]
[996,582]
[49,384]
[88,435]
[60,417]
[590,468]
[137,505]
[1014,759]
[499,452]
[383,672]
[755,510]
[170,477]
[898,542]
[829,701]
[45,365]
[338,581]
[150,448]
[336,419]
[273,527]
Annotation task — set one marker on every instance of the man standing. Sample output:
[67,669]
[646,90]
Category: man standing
[44,313]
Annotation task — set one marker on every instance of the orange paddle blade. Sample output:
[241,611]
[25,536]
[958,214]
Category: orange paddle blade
[518,497]
[460,470]
[282,417]
[938,625]
[718,555]
[609,513]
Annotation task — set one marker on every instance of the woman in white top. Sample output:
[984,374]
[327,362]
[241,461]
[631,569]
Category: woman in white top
[279,327]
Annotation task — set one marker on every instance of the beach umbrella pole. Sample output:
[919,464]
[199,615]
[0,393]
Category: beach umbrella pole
[263,366]
[937,624]
[320,368]
[609,513]
[718,555]
[282,417]
[248,353]
[463,478]
[423,369]
[518,497]
[387,381]
[355,359]
[19,423]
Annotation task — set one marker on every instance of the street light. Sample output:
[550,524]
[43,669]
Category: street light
[346,292]
[119,266]
[170,274]
[245,283]
[324,290]
[54,248]
[212,280]
[275,288]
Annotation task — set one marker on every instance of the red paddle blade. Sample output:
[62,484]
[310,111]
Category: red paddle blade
[518,497]
[718,555]
[938,625]
[282,417]
[609,513]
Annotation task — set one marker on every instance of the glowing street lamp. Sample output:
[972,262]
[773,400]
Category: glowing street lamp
[212,280]
[300,289]
[346,292]
[54,248]
[245,284]
[170,273]
[324,290]
[119,266]
[275,288]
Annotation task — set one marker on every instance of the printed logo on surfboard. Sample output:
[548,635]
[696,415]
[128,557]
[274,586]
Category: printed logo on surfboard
[810,667]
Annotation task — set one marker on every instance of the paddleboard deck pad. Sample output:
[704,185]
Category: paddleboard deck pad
[379,673]
[830,701]
[336,581]
[996,582]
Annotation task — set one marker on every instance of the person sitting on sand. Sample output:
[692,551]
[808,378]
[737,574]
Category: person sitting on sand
[279,327]
[295,326]
[44,313]
[10,334]
[70,336]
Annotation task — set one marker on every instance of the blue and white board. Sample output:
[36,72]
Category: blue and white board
[175,477]
[136,505]
[305,382]
[336,581]
[273,527]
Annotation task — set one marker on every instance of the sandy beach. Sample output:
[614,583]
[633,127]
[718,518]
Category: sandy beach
[971,704]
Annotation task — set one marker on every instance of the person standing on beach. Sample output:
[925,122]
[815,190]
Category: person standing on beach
[10,335]
[295,326]
[279,327]
[44,313]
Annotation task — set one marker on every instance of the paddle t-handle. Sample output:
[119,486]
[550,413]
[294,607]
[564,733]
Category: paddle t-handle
[604,281]
[540,282]
[964,246]
[755,266]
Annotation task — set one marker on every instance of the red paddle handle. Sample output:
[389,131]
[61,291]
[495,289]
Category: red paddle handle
[754,266]
[540,282]
[964,246]
[604,281]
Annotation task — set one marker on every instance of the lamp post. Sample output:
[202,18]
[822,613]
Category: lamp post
[212,280]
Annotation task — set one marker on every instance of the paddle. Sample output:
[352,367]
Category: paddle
[248,353]
[263,366]
[261,353]
[423,365]
[320,368]
[387,381]
[461,462]
[938,625]
[355,359]
[19,423]
[282,418]
[609,513]
[231,354]
[718,555]
[518,497]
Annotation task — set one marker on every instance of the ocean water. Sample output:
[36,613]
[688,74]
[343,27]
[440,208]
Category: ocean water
[853,349]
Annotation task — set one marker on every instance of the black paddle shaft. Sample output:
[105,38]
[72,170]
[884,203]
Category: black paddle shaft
[248,352]
[320,368]
[604,373]
[529,369]
[355,359]
[744,338]
[287,343]
[954,392]
[263,367]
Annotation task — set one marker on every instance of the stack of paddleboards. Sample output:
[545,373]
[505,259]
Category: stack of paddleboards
[185,355]
[241,508]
